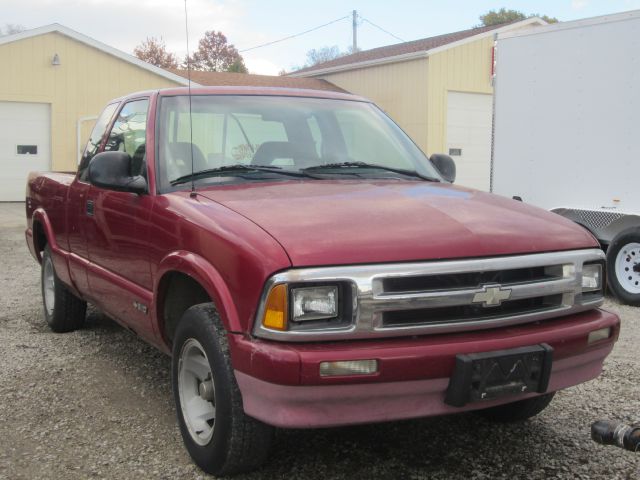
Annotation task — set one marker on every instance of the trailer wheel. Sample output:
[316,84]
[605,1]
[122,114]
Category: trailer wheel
[63,311]
[623,266]
[219,436]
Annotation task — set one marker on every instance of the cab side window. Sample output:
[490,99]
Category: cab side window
[95,139]
[129,134]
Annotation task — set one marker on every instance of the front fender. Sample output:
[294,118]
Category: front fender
[208,277]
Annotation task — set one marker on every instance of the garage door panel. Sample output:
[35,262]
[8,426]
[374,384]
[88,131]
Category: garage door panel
[457,134]
[469,118]
[27,125]
[472,173]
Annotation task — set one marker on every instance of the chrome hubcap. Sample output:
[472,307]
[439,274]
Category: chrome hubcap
[628,267]
[48,287]
[197,392]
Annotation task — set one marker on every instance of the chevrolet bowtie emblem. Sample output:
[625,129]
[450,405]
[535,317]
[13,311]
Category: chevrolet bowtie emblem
[492,295]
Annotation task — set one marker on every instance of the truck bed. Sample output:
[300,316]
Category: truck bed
[49,191]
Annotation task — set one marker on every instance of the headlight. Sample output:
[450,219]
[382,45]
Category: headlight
[591,277]
[306,306]
[314,303]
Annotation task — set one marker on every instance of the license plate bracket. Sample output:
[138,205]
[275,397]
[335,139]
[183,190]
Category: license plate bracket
[486,376]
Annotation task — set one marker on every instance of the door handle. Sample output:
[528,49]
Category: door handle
[89,206]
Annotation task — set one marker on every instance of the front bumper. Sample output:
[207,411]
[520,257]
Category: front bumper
[281,385]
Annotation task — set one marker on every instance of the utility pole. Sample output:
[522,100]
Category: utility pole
[355,31]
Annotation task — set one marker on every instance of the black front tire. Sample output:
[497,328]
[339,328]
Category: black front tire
[517,411]
[65,311]
[620,243]
[239,443]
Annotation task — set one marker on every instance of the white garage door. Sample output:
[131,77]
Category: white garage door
[469,137]
[25,132]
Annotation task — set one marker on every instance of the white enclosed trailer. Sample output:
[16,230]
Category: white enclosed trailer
[567,131]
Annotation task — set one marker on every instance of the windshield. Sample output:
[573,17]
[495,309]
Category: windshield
[285,134]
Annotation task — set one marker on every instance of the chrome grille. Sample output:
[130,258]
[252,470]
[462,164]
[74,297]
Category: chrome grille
[471,279]
[449,296]
[463,313]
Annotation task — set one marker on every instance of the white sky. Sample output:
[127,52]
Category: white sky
[125,23]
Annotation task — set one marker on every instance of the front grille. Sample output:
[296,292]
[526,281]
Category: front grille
[463,313]
[476,294]
[446,296]
[471,279]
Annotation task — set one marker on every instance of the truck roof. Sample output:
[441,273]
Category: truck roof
[248,90]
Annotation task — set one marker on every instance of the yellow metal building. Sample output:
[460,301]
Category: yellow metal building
[55,82]
[438,89]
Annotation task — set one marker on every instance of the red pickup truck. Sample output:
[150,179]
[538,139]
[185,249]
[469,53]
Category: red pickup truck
[307,266]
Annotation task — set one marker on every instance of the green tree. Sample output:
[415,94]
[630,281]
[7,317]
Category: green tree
[238,66]
[154,51]
[496,17]
[546,18]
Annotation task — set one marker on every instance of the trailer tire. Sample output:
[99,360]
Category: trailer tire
[63,311]
[219,436]
[623,266]
[517,411]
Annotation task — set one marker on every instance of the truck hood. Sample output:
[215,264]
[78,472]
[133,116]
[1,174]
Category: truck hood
[330,222]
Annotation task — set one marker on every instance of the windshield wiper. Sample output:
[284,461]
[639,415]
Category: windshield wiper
[402,171]
[213,172]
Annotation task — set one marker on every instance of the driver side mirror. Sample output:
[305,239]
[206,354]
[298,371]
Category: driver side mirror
[112,171]
[445,165]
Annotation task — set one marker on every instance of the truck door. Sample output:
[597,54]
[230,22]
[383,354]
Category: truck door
[118,230]
[77,200]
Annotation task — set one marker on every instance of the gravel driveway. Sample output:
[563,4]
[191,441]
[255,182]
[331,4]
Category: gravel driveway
[97,404]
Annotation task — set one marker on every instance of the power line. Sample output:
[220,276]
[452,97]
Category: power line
[355,15]
[380,28]
[297,34]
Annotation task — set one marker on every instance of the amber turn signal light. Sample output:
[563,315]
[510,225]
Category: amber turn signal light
[275,312]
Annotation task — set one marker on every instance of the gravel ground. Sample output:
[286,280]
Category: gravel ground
[97,403]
